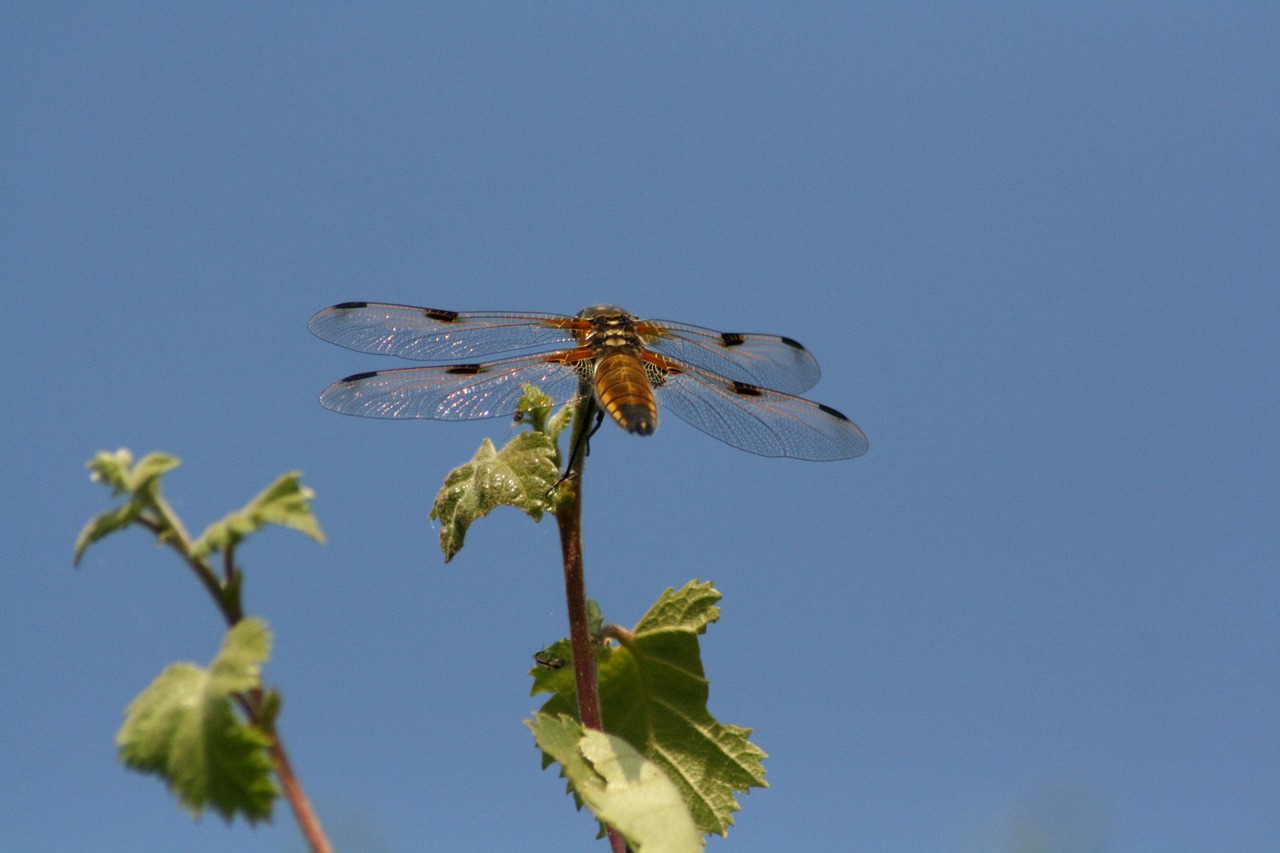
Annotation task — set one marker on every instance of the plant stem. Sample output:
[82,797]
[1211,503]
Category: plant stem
[307,819]
[569,520]
[227,597]
[168,529]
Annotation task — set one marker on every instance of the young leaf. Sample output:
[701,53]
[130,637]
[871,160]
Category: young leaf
[285,502]
[595,620]
[521,475]
[118,471]
[654,696]
[103,525]
[149,469]
[139,482]
[184,729]
[535,407]
[112,469]
[620,786]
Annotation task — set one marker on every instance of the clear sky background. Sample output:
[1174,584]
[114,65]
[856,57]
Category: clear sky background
[1036,249]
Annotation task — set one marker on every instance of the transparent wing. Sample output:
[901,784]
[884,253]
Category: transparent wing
[429,334]
[769,361]
[759,420]
[452,393]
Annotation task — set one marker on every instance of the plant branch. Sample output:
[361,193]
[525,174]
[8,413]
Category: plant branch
[168,528]
[307,819]
[569,520]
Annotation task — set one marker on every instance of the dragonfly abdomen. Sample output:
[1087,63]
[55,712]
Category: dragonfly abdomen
[624,392]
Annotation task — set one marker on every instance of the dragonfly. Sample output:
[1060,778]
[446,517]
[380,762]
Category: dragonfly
[739,388]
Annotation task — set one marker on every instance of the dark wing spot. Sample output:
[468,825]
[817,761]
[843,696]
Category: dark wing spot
[356,377]
[742,389]
[350,306]
[832,412]
[731,339]
[465,369]
[791,342]
[440,316]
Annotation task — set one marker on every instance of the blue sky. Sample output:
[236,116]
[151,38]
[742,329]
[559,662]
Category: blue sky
[1035,249]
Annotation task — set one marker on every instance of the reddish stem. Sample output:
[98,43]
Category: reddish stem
[307,819]
[569,520]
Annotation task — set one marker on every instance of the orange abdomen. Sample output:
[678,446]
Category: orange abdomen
[624,392]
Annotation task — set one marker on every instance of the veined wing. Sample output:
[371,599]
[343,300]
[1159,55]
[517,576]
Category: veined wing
[456,392]
[758,420]
[429,334]
[767,361]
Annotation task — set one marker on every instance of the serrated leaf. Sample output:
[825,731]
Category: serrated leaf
[184,729]
[138,481]
[521,475]
[620,786]
[286,502]
[653,694]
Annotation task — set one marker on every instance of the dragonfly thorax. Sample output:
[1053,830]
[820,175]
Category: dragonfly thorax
[611,329]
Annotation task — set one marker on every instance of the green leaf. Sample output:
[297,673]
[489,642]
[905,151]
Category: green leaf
[595,620]
[184,729]
[118,471]
[535,407]
[620,786]
[553,679]
[112,469]
[561,419]
[521,475]
[285,502]
[547,659]
[653,694]
[269,709]
[149,469]
[103,525]
[140,482]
